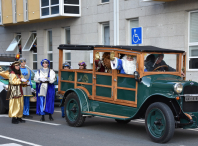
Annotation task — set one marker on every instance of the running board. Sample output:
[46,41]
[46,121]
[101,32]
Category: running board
[106,115]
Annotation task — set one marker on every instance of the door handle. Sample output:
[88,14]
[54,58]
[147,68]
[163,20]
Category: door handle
[115,80]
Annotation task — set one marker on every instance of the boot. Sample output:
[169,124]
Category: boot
[20,120]
[42,118]
[15,121]
[50,117]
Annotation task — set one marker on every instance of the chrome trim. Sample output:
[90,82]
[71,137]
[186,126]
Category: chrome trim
[189,95]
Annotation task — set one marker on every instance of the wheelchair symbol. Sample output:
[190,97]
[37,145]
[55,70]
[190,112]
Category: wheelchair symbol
[135,37]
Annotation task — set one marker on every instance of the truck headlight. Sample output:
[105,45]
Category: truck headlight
[178,87]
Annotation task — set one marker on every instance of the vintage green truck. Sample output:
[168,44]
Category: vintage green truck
[161,96]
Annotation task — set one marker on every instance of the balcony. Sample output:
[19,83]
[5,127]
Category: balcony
[13,12]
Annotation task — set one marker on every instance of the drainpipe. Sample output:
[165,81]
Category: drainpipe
[116,22]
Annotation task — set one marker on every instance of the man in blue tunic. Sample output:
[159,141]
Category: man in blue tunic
[45,91]
[126,65]
[27,91]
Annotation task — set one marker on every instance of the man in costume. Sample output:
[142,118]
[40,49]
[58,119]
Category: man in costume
[27,91]
[45,90]
[103,65]
[15,93]
[126,65]
[82,65]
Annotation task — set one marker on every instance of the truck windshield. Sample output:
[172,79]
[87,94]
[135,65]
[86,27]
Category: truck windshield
[161,62]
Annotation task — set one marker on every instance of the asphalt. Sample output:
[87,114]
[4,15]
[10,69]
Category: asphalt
[95,132]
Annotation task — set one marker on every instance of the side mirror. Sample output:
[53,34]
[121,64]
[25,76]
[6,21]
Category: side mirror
[137,76]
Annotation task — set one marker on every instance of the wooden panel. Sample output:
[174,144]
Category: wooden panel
[60,67]
[7,11]
[20,14]
[34,10]
[108,115]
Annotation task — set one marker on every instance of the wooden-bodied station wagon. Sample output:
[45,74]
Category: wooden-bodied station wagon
[160,96]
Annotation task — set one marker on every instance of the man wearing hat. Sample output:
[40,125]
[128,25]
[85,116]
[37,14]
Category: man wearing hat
[66,65]
[15,93]
[27,91]
[45,91]
[82,65]
[126,65]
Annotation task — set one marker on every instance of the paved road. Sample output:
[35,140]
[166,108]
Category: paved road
[95,132]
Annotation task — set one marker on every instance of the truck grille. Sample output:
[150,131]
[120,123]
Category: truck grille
[190,106]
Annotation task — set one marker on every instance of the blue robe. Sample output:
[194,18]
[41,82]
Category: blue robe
[26,107]
[119,66]
[49,107]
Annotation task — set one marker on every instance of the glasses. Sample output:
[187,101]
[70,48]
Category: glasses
[17,65]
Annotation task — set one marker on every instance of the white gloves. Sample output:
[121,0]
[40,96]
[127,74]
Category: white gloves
[28,83]
[43,79]
[32,90]
[23,80]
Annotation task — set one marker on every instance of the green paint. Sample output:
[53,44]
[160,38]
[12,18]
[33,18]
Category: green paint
[88,87]
[126,95]
[67,76]
[126,82]
[103,80]
[72,110]
[65,86]
[156,115]
[84,77]
[103,91]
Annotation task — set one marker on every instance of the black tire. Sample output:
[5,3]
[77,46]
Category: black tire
[79,120]
[2,108]
[155,124]
[122,121]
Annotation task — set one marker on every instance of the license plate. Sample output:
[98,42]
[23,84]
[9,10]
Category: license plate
[56,86]
[191,98]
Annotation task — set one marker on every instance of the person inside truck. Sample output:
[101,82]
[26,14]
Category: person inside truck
[82,65]
[126,65]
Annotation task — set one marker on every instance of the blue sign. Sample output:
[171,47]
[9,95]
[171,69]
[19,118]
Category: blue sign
[136,35]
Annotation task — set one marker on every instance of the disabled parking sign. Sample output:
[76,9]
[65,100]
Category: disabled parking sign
[136,37]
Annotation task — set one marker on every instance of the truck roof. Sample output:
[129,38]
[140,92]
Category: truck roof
[131,48]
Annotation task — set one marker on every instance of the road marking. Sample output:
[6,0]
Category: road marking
[57,111]
[35,121]
[17,140]
[10,144]
[42,122]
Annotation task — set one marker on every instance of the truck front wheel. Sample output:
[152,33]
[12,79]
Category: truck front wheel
[160,123]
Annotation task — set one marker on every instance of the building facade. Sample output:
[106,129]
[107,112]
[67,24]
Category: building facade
[45,24]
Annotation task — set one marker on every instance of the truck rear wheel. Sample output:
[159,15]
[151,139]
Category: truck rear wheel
[160,123]
[2,108]
[73,114]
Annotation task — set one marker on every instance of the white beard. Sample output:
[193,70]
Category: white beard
[129,66]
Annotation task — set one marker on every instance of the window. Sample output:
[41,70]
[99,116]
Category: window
[49,7]
[15,42]
[49,48]
[67,41]
[104,1]
[0,13]
[25,8]
[14,8]
[71,6]
[132,24]
[105,34]
[30,42]
[193,41]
